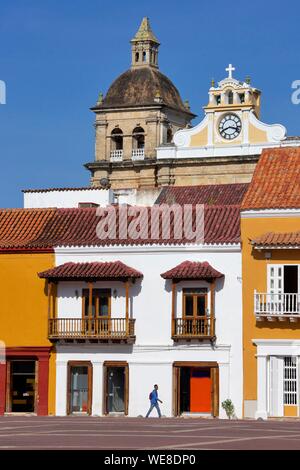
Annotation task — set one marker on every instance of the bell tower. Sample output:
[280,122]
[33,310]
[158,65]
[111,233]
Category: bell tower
[144,46]
[141,111]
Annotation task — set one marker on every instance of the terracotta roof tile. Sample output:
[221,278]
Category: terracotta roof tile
[281,240]
[212,194]
[276,181]
[95,270]
[37,229]
[192,270]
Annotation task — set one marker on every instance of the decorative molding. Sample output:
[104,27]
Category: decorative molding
[275,132]
[182,138]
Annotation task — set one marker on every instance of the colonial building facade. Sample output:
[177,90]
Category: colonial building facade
[123,314]
[270,224]
[100,301]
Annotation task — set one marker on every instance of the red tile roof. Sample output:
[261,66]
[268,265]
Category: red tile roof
[192,270]
[278,240]
[96,270]
[212,194]
[276,181]
[40,229]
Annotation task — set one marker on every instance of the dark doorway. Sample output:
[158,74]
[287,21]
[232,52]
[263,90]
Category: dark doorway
[22,386]
[116,389]
[290,284]
[291,279]
[185,389]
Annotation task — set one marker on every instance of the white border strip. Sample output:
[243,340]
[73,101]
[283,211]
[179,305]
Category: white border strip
[267,213]
[146,249]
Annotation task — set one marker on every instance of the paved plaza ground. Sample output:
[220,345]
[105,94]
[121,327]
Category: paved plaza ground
[111,433]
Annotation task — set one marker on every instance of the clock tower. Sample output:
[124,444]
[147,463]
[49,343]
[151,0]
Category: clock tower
[228,111]
[231,125]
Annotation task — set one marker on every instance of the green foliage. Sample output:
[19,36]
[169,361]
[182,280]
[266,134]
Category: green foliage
[228,406]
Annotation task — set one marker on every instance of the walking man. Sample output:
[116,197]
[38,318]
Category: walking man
[153,397]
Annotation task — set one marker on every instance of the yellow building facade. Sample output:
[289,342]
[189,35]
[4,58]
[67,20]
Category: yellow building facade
[27,371]
[270,229]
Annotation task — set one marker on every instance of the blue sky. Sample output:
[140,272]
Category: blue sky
[56,56]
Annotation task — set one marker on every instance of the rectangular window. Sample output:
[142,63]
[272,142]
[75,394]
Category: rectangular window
[101,303]
[290,381]
[194,302]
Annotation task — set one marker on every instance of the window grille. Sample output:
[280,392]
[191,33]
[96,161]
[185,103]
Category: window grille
[290,381]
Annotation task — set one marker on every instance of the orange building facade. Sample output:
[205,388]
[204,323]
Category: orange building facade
[27,375]
[270,232]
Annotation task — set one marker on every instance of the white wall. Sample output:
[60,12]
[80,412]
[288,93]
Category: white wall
[103,197]
[66,198]
[150,359]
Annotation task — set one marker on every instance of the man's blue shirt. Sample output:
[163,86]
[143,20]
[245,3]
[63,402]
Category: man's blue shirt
[154,397]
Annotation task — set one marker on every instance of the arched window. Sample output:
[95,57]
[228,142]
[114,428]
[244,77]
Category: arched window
[138,136]
[116,139]
[137,56]
[144,56]
[169,135]
[230,97]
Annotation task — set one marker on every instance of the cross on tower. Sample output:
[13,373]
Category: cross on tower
[230,69]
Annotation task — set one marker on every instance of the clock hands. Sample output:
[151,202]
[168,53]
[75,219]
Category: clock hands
[229,127]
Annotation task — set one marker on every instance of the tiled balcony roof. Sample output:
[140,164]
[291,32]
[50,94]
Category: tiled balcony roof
[95,270]
[277,240]
[192,270]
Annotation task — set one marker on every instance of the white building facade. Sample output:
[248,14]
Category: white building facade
[195,367]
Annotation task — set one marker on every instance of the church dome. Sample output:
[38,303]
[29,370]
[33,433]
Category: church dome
[142,86]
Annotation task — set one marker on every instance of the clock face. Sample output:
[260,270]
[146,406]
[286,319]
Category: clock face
[230,126]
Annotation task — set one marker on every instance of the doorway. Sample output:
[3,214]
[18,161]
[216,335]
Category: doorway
[22,385]
[196,388]
[116,388]
[79,387]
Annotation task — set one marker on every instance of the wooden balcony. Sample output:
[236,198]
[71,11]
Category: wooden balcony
[280,307]
[95,330]
[194,328]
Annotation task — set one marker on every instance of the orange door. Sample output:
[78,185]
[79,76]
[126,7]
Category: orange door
[200,391]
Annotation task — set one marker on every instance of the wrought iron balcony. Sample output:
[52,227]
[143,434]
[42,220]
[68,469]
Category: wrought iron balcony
[271,307]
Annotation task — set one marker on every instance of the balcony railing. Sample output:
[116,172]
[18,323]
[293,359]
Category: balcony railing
[116,155]
[198,328]
[138,154]
[98,328]
[276,306]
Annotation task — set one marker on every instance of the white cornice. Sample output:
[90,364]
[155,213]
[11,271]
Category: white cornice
[269,213]
[148,249]
[276,247]
[276,342]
